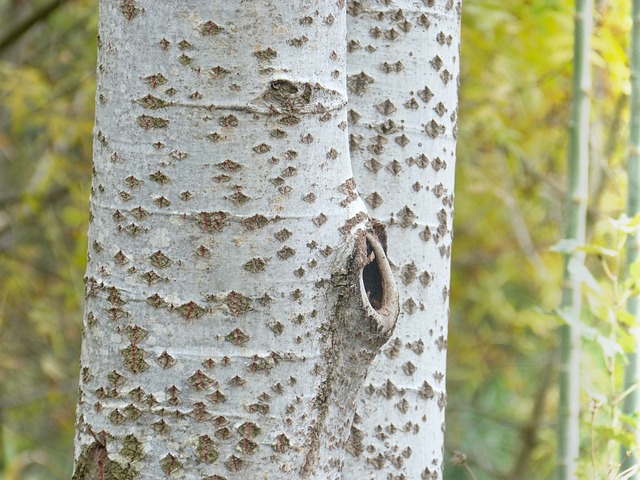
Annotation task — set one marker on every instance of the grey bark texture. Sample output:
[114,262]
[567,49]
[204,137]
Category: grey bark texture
[237,290]
[403,76]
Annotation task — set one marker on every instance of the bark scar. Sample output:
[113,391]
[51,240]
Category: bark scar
[378,290]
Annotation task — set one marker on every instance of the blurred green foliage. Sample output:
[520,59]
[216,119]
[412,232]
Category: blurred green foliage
[515,92]
[47,88]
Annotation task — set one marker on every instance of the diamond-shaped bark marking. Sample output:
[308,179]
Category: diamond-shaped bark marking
[445,76]
[133,358]
[220,421]
[249,430]
[120,258]
[440,109]
[238,304]
[217,397]
[200,380]
[132,412]
[137,394]
[218,71]
[172,395]
[165,360]
[286,252]
[358,83]
[255,265]
[387,107]
[170,464]
[374,199]
[262,408]
[442,401]
[206,450]
[246,446]
[212,221]
[132,448]
[407,217]
[255,222]
[394,348]
[159,260]
[441,342]
[409,273]
[426,391]
[434,129]
[129,9]
[210,28]
[416,347]
[237,337]
[228,121]
[281,443]
[373,165]
[438,164]
[116,417]
[237,381]
[403,405]
[268,54]
[191,310]
[223,433]
[262,148]
[135,333]
[320,220]
[159,177]
[151,277]
[134,230]
[203,251]
[115,379]
[160,426]
[152,102]
[185,59]
[436,62]
[229,166]
[261,364]
[156,80]
[395,167]
[409,368]
[388,390]
[402,140]
[184,44]
[157,301]
[147,122]
[282,235]
[114,297]
[421,161]
[392,34]
[199,413]
[425,94]
[239,198]
[426,234]
[209,363]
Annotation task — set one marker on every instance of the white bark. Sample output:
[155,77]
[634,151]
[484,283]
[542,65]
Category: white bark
[226,329]
[403,69]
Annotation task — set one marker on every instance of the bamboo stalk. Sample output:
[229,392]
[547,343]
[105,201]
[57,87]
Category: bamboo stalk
[568,435]
[632,372]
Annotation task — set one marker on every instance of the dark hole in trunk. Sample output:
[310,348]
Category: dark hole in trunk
[372,280]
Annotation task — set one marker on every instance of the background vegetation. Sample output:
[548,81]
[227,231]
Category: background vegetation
[515,92]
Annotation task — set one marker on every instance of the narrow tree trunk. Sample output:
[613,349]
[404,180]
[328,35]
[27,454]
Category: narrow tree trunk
[632,372]
[568,435]
[235,293]
[403,67]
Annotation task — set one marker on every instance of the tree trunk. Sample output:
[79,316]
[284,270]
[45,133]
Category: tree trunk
[236,290]
[403,67]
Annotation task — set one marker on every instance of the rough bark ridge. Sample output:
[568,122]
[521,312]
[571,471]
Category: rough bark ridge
[236,291]
[403,68]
